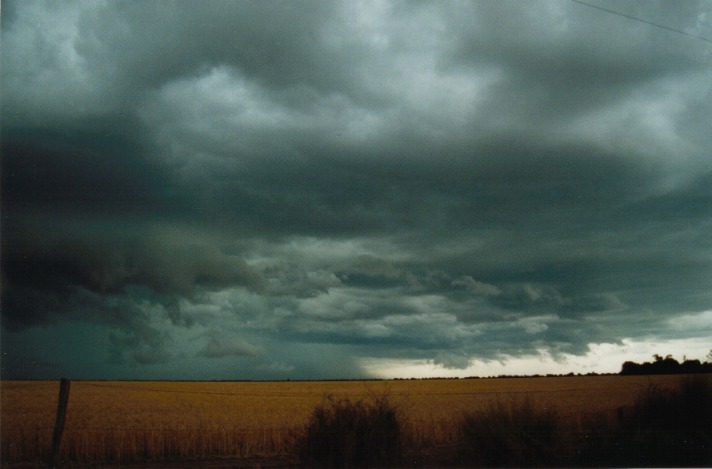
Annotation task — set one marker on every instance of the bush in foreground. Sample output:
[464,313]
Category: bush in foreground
[513,434]
[342,433]
[664,427]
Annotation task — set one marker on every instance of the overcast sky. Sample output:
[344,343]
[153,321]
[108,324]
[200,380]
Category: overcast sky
[287,190]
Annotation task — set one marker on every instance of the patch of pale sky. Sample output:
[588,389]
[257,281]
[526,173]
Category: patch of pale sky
[600,358]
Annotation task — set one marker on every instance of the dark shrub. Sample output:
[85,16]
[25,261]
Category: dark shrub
[514,434]
[663,428]
[668,427]
[342,433]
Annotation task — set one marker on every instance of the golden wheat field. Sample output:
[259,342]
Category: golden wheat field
[139,421]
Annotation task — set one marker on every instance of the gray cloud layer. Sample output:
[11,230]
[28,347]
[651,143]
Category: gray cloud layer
[260,189]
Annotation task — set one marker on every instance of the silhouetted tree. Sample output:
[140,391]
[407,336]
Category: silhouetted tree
[665,366]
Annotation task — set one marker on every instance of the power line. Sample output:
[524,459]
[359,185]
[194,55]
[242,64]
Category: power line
[657,25]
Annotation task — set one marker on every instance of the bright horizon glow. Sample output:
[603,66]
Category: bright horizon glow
[600,358]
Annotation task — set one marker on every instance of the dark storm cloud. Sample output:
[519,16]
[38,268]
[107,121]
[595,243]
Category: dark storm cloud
[557,74]
[95,168]
[96,58]
[225,182]
[218,347]
[42,269]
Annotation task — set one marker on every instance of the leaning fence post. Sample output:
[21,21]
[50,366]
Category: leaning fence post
[59,422]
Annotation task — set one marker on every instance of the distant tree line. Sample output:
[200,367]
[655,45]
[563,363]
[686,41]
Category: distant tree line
[667,366]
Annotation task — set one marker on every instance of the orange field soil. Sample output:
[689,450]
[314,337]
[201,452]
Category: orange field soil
[131,421]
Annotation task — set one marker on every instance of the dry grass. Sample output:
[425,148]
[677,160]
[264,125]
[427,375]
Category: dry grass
[137,421]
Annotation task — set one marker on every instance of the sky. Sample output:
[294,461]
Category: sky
[353,189]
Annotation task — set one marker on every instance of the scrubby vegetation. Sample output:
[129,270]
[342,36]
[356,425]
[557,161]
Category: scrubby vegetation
[342,433]
[663,427]
[512,434]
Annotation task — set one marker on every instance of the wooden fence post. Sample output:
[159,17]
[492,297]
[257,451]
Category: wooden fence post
[59,422]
